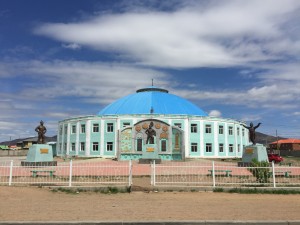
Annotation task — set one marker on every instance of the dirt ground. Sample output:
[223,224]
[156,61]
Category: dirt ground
[41,204]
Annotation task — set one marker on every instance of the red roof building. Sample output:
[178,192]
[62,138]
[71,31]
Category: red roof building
[286,144]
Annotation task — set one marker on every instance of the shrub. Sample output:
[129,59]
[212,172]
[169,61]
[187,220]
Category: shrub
[260,170]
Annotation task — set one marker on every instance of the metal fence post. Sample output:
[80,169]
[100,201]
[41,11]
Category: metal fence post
[70,174]
[151,178]
[10,172]
[213,173]
[273,174]
[130,173]
[153,172]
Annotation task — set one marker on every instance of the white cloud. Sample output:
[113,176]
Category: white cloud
[99,82]
[215,113]
[220,33]
[73,46]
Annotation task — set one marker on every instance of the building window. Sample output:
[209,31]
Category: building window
[66,129]
[208,147]
[207,128]
[65,146]
[230,130]
[82,128]
[163,145]
[95,127]
[177,125]
[60,130]
[194,147]
[73,129]
[243,132]
[126,124]
[95,146]
[221,129]
[238,131]
[239,146]
[194,128]
[109,146]
[73,147]
[221,147]
[139,144]
[82,146]
[60,146]
[230,147]
[110,127]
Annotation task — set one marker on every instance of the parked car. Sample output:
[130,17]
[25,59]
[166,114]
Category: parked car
[274,158]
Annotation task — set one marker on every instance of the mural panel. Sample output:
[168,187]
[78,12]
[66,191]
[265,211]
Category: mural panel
[126,140]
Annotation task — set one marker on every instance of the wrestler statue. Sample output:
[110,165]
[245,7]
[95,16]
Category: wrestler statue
[41,130]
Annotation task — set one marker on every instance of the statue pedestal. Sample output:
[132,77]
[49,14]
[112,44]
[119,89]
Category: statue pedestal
[150,154]
[251,152]
[39,155]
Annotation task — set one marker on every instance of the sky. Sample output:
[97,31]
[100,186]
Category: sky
[233,59]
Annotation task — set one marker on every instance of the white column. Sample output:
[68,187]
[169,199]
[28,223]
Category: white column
[117,136]
[88,138]
[201,147]
[187,137]
[241,145]
[102,147]
[216,143]
[226,138]
[77,138]
[68,138]
[235,140]
[60,146]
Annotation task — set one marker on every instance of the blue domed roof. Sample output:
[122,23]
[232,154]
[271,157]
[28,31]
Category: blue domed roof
[152,100]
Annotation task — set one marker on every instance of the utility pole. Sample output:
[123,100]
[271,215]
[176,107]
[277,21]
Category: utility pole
[277,141]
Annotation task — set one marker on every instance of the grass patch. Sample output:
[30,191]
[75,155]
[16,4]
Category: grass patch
[218,190]
[263,191]
[107,190]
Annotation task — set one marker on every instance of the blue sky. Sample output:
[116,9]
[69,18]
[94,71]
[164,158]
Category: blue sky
[234,59]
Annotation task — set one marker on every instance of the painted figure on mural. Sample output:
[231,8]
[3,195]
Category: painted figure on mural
[150,134]
[41,130]
[252,132]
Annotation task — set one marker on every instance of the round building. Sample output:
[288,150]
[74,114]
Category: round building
[151,124]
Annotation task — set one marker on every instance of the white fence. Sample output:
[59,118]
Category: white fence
[220,174]
[167,174]
[68,174]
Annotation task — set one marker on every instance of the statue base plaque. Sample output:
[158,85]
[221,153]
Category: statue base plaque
[251,152]
[149,155]
[39,155]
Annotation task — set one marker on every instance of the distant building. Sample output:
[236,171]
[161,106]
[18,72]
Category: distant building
[26,143]
[4,147]
[178,128]
[286,144]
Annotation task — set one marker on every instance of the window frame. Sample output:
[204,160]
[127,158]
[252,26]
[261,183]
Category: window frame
[126,124]
[208,129]
[73,129]
[221,147]
[221,129]
[194,147]
[95,127]
[230,148]
[194,128]
[110,127]
[230,130]
[82,128]
[95,147]
[82,146]
[163,143]
[179,125]
[208,147]
[108,145]
[73,147]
